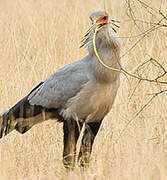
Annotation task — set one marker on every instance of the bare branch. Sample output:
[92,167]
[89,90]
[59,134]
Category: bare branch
[130,121]
[143,36]
[161,22]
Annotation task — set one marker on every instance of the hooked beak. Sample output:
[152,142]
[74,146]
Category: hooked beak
[95,24]
[110,21]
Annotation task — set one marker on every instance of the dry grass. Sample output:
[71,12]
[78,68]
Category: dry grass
[36,38]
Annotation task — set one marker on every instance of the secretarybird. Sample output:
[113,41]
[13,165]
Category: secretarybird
[79,93]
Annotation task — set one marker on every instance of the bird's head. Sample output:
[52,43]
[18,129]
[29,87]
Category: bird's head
[98,18]
[101,18]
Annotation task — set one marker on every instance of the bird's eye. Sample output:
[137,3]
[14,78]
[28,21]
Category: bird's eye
[104,18]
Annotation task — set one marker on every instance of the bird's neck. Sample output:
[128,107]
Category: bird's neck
[108,46]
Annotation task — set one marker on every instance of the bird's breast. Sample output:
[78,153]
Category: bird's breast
[92,103]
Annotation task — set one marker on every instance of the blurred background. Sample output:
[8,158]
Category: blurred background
[37,37]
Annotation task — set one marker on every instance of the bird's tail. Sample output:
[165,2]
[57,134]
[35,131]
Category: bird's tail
[21,117]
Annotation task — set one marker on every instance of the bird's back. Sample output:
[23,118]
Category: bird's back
[62,85]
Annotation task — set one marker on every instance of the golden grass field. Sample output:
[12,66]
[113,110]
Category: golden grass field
[37,37]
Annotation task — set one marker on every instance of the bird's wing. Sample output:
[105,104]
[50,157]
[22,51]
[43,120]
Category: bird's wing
[55,91]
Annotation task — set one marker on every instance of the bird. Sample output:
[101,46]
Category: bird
[78,95]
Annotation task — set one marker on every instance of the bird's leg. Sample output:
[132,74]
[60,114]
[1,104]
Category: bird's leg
[71,134]
[90,133]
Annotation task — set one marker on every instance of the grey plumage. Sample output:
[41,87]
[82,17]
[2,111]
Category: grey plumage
[83,91]
[61,86]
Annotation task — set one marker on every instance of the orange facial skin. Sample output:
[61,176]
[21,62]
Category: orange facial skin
[103,19]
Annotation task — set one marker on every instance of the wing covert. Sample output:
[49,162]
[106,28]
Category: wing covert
[55,91]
